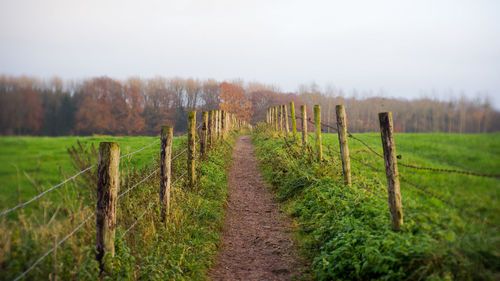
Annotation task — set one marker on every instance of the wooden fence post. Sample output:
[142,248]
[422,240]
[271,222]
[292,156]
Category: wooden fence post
[317,125]
[211,129]
[223,124]
[108,173]
[391,169]
[276,128]
[287,130]
[191,173]
[304,125]
[281,118]
[294,124]
[344,148]
[204,134]
[217,124]
[167,136]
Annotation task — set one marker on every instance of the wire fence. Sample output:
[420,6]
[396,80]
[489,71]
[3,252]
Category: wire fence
[197,140]
[24,204]
[424,191]
[412,166]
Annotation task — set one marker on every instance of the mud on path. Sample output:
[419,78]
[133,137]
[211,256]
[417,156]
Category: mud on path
[255,244]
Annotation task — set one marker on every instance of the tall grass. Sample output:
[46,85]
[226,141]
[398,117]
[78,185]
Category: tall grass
[181,248]
[346,231]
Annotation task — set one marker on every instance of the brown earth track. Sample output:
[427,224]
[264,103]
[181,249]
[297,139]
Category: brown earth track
[255,244]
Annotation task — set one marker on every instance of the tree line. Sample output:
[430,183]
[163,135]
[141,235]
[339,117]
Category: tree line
[106,106]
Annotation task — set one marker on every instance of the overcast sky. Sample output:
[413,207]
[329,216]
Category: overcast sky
[402,47]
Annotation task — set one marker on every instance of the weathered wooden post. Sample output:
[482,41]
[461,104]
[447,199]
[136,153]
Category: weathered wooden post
[167,136]
[287,129]
[223,124]
[281,118]
[191,173]
[108,183]
[344,148]
[317,125]
[391,169]
[204,134]
[294,124]
[304,125]
[276,127]
[211,129]
[217,124]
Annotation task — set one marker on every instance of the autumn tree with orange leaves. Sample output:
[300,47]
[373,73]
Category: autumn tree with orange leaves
[234,100]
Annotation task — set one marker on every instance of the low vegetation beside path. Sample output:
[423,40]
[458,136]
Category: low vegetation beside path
[346,231]
[182,248]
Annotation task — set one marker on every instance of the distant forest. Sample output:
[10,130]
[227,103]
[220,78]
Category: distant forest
[106,106]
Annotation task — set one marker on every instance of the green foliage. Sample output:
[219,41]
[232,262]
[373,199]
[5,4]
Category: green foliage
[181,248]
[346,233]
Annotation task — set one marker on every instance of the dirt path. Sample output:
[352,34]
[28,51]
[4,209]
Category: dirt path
[256,245]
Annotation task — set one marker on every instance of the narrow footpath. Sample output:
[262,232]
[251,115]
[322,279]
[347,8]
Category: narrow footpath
[255,244]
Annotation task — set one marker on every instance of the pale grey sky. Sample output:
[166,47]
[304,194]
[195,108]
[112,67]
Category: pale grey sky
[402,47]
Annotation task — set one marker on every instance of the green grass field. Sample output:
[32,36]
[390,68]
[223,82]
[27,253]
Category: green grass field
[477,153]
[146,248]
[451,223]
[30,165]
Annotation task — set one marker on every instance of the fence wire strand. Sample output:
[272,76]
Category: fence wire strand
[52,249]
[145,211]
[439,170]
[22,205]
[141,149]
[137,184]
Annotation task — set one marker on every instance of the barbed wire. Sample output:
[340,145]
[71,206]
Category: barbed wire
[22,205]
[141,149]
[145,211]
[139,218]
[441,170]
[137,184]
[52,249]
[449,203]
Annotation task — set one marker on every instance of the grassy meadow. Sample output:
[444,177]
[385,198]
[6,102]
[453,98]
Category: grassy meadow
[451,221]
[32,164]
[181,248]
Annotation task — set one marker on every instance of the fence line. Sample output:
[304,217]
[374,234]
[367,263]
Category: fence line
[442,170]
[132,153]
[449,203]
[137,184]
[225,127]
[149,208]
[390,162]
[52,249]
[22,205]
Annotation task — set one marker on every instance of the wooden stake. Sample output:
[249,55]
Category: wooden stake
[317,125]
[223,124]
[304,125]
[217,122]
[285,115]
[276,127]
[211,130]
[191,149]
[204,134]
[167,136]
[391,170]
[294,124]
[281,118]
[108,173]
[344,148]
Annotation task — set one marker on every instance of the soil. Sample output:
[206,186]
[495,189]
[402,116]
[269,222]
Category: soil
[256,243]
